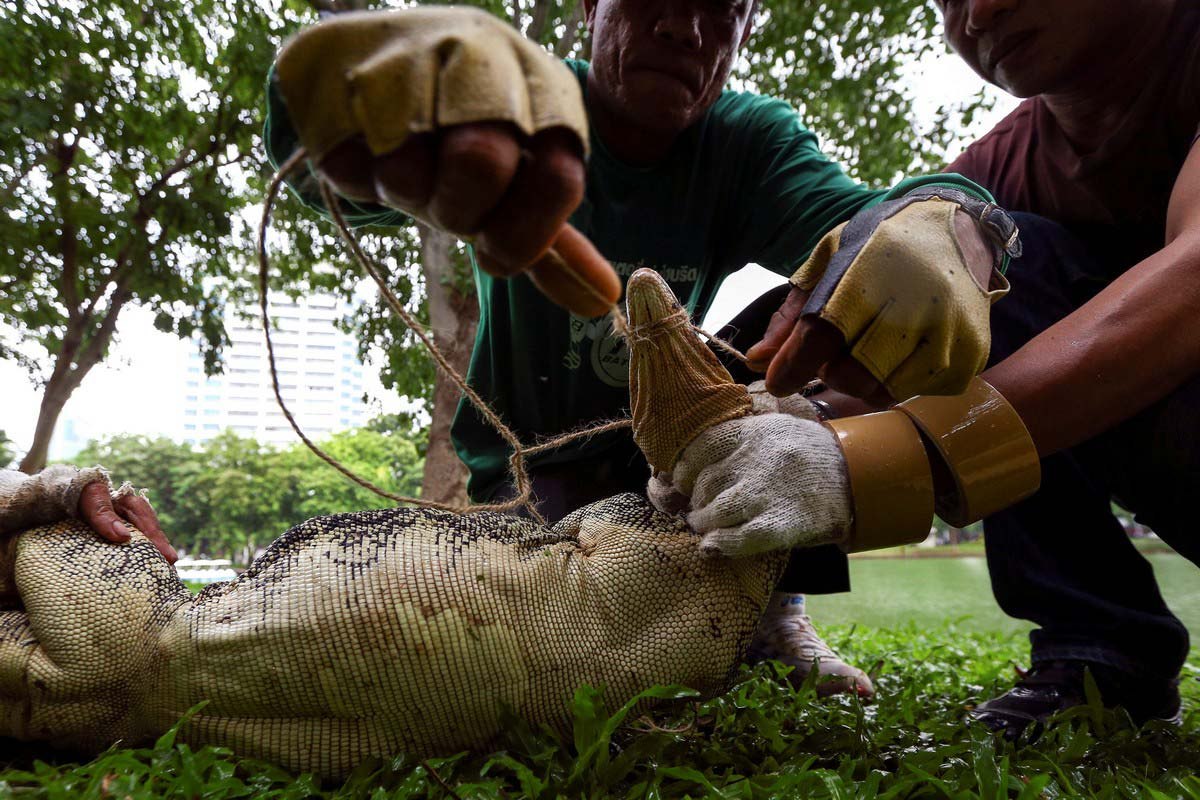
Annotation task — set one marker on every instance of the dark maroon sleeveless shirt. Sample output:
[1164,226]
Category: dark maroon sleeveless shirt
[1115,198]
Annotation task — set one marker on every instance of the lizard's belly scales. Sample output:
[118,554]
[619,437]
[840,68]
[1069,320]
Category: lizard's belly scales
[369,633]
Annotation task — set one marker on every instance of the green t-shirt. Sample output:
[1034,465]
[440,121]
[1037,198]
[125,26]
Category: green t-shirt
[745,184]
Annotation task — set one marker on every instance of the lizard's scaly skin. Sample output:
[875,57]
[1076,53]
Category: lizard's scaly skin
[369,633]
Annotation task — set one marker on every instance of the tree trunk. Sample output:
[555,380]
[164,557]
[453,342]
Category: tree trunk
[564,46]
[58,391]
[72,364]
[453,317]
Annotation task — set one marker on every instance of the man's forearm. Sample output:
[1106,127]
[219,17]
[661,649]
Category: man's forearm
[1128,347]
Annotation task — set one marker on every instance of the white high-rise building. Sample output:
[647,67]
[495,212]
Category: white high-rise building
[320,377]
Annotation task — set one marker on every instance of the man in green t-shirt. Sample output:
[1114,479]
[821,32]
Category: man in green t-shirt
[449,115]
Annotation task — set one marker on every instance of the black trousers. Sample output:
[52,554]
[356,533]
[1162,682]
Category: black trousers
[1061,559]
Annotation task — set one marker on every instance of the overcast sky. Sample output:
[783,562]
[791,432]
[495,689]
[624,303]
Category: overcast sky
[134,390]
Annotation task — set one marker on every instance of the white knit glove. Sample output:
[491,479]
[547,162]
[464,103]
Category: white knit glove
[49,496]
[662,491]
[764,482]
[794,404]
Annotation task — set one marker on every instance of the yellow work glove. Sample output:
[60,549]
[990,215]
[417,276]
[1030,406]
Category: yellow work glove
[894,281]
[386,74]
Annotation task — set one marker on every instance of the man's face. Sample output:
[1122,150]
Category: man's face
[661,63]
[1031,47]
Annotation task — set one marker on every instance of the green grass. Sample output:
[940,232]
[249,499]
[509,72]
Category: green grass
[927,591]
[976,548]
[762,739]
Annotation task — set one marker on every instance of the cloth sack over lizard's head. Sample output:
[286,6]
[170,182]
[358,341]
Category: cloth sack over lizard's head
[677,387]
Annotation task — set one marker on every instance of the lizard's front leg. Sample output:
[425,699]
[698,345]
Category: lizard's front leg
[16,648]
[88,650]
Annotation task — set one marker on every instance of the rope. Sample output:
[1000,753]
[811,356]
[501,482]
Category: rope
[263,269]
[517,460]
[516,466]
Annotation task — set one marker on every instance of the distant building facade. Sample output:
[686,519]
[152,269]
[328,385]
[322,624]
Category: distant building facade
[320,377]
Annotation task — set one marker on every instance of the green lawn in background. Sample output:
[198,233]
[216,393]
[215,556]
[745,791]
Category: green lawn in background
[890,592]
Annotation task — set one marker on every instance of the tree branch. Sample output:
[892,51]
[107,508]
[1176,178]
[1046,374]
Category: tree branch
[147,204]
[336,6]
[181,164]
[541,14]
[574,20]
[71,342]
[122,273]
[93,353]
[68,240]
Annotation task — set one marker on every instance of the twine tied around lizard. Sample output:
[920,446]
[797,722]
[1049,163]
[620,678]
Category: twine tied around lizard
[517,469]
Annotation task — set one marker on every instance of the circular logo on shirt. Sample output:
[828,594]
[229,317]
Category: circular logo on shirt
[610,355]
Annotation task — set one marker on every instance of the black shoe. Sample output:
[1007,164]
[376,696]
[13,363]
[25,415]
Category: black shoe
[1054,686]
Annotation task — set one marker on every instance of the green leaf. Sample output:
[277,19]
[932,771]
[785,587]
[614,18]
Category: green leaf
[166,742]
[692,775]
[987,772]
[593,732]
[531,784]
